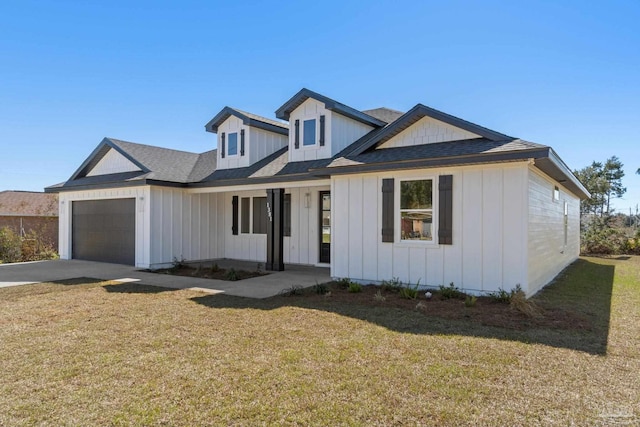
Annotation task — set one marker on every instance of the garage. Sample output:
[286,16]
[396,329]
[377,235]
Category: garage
[104,230]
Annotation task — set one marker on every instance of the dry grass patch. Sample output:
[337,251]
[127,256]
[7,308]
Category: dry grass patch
[99,353]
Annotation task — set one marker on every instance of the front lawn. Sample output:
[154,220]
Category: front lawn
[98,353]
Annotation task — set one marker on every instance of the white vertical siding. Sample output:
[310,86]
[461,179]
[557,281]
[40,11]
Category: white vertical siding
[232,125]
[345,131]
[428,131]
[484,241]
[261,143]
[113,162]
[547,253]
[183,226]
[340,131]
[143,229]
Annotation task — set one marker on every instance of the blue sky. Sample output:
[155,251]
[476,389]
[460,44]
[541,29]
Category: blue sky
[565,74]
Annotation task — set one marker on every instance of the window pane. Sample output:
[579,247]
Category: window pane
[416,194]
[416,225]
[326,234]
[232,144]
[309,134]
[259,215]
[245,204]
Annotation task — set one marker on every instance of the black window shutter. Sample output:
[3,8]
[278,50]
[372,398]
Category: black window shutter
[445,211]
[242,142]
[387,210]
[234,220]
[222,145]
[297,135]
[287,215]
[321,131]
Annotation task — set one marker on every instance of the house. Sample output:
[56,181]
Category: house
[28,212]
[421,195]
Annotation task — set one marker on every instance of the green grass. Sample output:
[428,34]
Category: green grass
[99,353]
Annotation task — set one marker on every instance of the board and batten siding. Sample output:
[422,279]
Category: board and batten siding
[258,144]
[340,131]
[183,226]
[489,230]
[261,143]
[113,162]
[428,131]
[548,255]
[142,221]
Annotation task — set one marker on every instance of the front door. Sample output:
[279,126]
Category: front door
[325,227]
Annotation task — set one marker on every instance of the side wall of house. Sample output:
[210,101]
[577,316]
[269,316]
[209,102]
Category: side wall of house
[489,230]
[549,252]
[183,226]
[143,222]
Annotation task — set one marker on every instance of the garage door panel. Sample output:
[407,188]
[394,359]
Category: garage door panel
[104,230]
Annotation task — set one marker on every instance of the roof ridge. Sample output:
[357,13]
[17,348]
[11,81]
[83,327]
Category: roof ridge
[156,147]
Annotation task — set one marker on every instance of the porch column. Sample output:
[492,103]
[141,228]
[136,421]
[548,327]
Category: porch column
[275,229]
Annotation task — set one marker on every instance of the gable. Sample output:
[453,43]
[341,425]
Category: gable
[428,130]
[113,162]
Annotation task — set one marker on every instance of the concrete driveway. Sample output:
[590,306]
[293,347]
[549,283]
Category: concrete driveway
[257,287]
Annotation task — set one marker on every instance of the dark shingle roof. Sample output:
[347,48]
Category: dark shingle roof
[248,119]
[385,114]
[296,100]
[28,203]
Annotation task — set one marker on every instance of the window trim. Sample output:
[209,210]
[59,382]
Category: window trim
[229,142]
[434,212]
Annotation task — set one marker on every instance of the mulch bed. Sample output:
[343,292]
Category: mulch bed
[211,273]
[485,311]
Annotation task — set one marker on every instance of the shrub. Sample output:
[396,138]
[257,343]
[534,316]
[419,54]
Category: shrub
[214,268]
[178,264]
[519,302]
[393,285]
[410,292]
[378,296]
[10,246]
[355,287]
[231,275]
[451,292]
[291,291]
[501,296]
[321,288]
[343,283]
[470,301]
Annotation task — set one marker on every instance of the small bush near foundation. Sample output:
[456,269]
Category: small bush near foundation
[343,283]
[409,292]
[291,291]
[393,285]
[354,287]
[519,302]
[177,264]
[231,275]
[501,296]
[451,292]
[321,288]
[378,296]
[470,301]
[214,268]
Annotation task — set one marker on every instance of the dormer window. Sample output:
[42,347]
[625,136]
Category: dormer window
[309,133]
[232,144]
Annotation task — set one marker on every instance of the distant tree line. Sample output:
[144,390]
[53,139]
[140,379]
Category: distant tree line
[603,231]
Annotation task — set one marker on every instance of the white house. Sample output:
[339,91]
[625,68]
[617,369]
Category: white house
[375,194]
